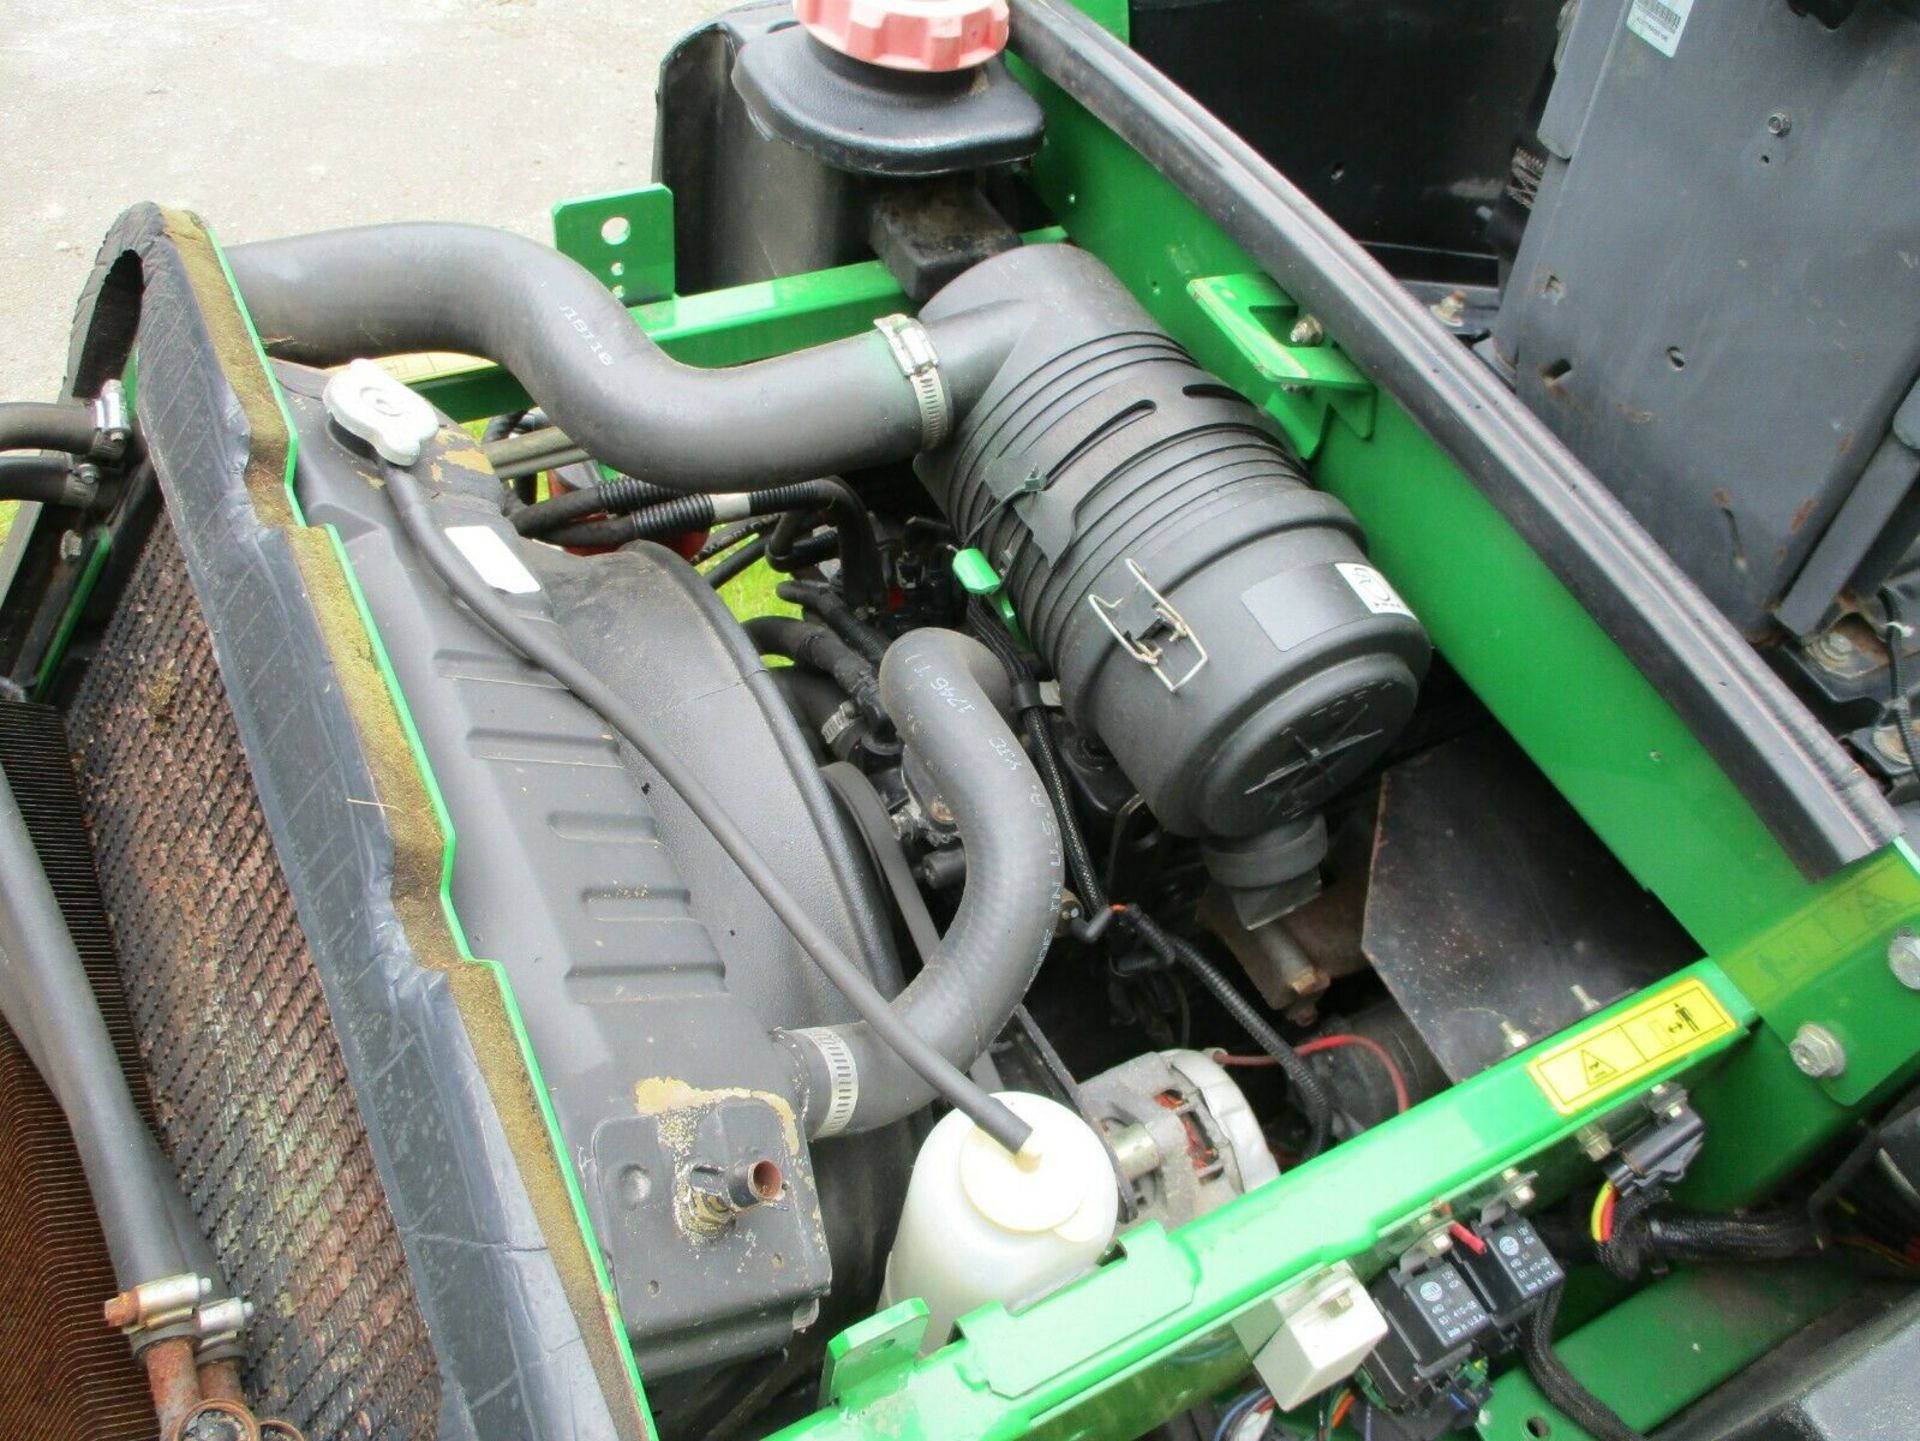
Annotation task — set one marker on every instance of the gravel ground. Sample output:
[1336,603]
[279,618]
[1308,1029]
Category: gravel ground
[271,117]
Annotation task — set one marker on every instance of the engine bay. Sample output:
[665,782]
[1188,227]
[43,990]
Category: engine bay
[1038,800]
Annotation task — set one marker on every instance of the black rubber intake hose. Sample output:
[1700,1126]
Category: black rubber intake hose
[393,289]
[810,644]
[987,959]
[46,999]
[33,425]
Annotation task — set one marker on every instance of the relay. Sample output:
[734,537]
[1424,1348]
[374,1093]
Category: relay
[1434,1320]
[1510,1270]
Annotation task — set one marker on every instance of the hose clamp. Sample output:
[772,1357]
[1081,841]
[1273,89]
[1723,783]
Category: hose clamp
[843,1078]
[167,1303]
[913,350]
[112,426]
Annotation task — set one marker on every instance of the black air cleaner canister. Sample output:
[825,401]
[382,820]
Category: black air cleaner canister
[1210,616]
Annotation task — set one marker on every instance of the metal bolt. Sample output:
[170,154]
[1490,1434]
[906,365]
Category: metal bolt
[1779,123]
[1817,1052]
[1832,650]
[70,545]
[1891,744]
[1523,1195]
[1307,330]
[1903,957]
[1450,309]
[1593,1140]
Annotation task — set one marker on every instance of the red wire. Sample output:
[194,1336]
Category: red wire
[1401,1098]
[1344,1405]
[1466,1238]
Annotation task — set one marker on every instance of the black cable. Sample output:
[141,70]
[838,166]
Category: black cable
[726,538]
[623,493]
[985,625]
[861,575]
[1560,1386]
[674,517]
[32,425]
[1902,708]
[550,654]
[741,560]
[1312,1095]
[501,426]
[1851,1165]
[637,510]
[1642,1238]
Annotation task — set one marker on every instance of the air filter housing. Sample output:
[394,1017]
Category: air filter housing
[1211,617]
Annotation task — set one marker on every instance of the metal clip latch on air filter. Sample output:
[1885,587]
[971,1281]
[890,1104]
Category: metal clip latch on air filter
[1149,628]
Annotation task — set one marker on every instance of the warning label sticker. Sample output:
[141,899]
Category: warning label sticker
[1641,1040]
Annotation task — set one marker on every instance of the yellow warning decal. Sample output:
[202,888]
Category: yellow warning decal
[1641,1040]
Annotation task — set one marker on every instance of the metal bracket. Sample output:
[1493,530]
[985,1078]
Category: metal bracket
[625,238]
[1140,619]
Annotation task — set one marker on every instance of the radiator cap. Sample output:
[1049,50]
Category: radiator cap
[909,34]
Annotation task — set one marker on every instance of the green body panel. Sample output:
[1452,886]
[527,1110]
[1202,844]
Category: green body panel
[1710,1324]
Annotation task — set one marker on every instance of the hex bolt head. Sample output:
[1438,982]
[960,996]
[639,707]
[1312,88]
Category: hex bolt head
[1833,650]
[1903,959]
[1307,330]
[1891,744]
[1817,1052]
[1779,123]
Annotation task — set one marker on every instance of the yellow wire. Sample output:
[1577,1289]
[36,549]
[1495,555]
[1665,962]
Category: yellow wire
[1599,1206]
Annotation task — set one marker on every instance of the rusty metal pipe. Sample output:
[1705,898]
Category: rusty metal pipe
[174,1382]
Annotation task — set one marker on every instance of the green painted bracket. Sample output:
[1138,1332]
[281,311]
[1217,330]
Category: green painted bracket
[1704,1325]
[876,1349]
[1298,382]
[625,238]
[1828,966]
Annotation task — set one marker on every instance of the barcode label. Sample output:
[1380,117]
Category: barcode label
[1659,22]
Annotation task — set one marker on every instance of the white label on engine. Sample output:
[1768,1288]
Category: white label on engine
[1659,22]
[1372,588]
[487,553]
